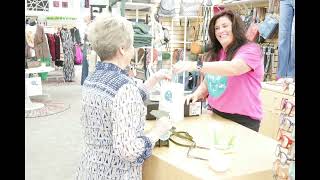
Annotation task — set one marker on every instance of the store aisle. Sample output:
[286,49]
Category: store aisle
[53,143]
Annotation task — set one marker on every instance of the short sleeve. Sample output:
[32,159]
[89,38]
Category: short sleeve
[251,53]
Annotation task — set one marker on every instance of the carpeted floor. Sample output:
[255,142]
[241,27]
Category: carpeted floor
[50,107]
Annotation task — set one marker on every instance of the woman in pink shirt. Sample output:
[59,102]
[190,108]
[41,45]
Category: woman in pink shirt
[233,72]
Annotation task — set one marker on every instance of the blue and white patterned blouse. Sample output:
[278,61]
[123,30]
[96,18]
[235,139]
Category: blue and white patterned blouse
[113,116]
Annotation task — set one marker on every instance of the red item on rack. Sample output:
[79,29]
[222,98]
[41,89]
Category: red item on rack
[217,9]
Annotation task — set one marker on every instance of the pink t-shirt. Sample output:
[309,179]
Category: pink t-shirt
[239,94]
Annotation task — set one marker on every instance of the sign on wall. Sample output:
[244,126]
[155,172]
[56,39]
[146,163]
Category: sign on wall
[33,86]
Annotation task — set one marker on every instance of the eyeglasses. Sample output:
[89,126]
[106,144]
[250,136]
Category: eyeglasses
[287,107]
[284,138]
[185,140]
[279,171]
[284,157]
[287,122]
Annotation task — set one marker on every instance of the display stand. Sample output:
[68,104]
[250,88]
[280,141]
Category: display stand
[29,105]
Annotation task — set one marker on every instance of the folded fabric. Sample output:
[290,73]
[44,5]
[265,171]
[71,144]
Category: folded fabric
[142,37]
[140,28]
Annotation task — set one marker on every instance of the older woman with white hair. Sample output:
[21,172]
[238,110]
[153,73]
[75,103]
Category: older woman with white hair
[113,111]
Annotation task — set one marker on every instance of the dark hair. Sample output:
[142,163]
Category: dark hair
[238,31]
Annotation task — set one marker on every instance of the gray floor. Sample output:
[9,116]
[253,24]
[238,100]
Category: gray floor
[53,143]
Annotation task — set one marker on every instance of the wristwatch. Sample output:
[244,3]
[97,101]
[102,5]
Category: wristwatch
[199,65]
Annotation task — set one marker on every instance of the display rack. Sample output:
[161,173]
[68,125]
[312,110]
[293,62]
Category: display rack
[184,42]
[141,7]
[284,165]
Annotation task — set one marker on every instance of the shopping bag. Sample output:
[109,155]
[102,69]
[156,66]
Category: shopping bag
[172,100]
[79,55]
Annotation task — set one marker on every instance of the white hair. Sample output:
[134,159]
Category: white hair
[107,34]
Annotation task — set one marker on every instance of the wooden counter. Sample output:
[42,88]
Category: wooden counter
[252,159]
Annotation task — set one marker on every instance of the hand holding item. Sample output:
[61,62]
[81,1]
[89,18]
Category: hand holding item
[156,77]
[162,74]
[182,66]
[163,125]
[192,98]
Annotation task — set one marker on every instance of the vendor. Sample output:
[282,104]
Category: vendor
[233,73]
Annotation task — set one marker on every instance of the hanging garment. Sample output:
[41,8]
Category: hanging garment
[68,65]
[41,43]
[75,34]
[30,33]
[41,47]
[57,45]
[27,50]
[52,48]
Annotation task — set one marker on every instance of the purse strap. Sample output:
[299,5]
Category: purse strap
[185,136]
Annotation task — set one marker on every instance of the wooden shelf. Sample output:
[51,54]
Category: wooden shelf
[245,3]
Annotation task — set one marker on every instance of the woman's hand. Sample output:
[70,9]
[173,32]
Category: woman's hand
[162,74]
[156,77]
[163,125]
[182,66]
[192,98]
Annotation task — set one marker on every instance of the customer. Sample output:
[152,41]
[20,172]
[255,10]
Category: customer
[234,74]
[113,111]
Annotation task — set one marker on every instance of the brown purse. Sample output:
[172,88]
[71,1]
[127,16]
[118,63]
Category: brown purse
[195,46]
